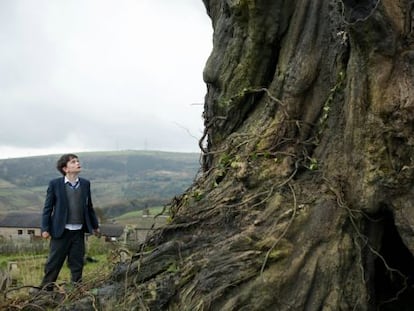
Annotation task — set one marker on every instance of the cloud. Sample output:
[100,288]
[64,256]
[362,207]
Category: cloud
[101,74]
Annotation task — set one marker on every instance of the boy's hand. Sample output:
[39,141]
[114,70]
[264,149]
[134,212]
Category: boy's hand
[45,234]
[97,232]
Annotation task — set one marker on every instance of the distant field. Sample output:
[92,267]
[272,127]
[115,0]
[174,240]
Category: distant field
[121,181]
[12,197]
[152,212]
[139,219]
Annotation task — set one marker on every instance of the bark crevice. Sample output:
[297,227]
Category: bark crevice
[306,193]
[394,269]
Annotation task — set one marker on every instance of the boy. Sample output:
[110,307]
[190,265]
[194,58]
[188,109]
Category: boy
[67,214]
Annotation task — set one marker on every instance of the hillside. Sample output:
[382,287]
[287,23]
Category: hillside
[121,180]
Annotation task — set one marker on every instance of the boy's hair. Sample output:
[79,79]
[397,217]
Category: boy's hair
[63,160]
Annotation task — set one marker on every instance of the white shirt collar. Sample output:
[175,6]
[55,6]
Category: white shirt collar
[68,181]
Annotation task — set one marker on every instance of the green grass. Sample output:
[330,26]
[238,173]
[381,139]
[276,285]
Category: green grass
[137,219]
[31,266]
[152,212]
[30,270]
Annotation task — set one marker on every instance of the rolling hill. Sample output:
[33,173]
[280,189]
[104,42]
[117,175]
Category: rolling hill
[122,181]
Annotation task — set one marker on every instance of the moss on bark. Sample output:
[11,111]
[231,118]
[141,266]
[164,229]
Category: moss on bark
[309,125]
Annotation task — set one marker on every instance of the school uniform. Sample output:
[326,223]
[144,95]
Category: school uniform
[67,215]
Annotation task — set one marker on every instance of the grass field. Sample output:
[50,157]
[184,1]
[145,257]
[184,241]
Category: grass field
[152,211]
[137,218]
[28,268]
[30,265]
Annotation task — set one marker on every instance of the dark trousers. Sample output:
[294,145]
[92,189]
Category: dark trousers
[71,246]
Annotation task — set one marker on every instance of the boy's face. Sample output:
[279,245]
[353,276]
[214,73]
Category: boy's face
[72,166]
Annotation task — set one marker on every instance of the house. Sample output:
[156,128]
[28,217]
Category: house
[20,225]
[26,226]
[112,232]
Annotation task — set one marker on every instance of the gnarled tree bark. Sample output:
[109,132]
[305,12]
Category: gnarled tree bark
[305,201]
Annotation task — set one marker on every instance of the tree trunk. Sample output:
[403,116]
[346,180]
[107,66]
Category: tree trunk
[305,201]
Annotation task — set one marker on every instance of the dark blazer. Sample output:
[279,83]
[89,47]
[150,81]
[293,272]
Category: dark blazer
[55,210]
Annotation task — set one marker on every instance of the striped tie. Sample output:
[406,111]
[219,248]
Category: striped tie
[75,186]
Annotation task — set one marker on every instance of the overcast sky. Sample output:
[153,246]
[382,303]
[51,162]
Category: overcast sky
[88,75]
